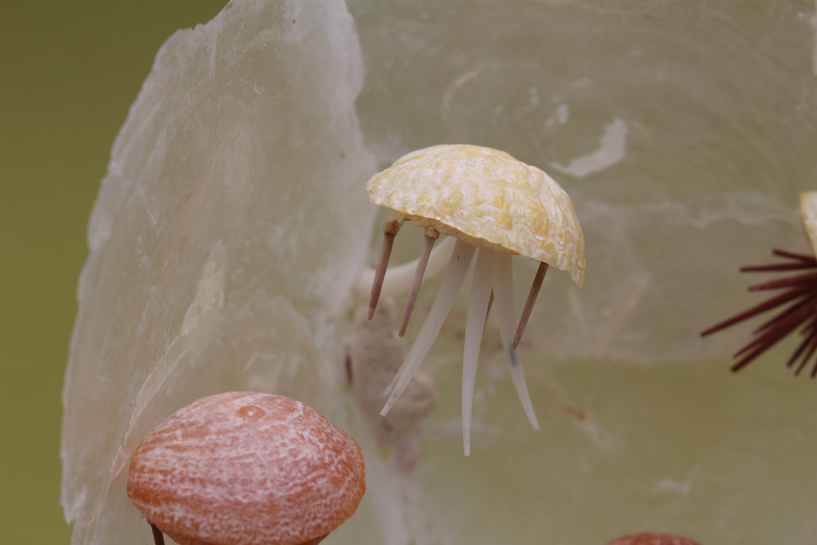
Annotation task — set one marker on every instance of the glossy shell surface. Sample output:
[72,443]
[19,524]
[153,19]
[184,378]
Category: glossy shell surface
[808,210]
[487,198]
[652,539]
[243,468]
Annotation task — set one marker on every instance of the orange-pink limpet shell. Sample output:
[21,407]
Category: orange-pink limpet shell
[243,468]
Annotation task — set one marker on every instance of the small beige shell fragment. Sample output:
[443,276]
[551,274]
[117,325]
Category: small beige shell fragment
[808,210]
[374,354]
[488,199]
[244,468]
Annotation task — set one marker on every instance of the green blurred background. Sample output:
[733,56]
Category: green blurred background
[68,73]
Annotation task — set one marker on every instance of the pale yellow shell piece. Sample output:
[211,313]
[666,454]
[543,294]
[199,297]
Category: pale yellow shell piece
[808,209]
[488,199]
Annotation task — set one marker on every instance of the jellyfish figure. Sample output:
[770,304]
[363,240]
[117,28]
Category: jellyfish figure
[496,206]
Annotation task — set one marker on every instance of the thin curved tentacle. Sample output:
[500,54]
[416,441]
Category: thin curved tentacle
[454,275]
[503,300]
[474,327]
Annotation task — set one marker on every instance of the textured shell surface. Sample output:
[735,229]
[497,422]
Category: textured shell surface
[243,468]
[808,210]
[489,199]
[652,539]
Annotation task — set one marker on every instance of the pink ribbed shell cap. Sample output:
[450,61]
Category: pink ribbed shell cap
[244,468]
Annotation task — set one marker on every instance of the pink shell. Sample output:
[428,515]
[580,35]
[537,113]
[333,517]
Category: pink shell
[652,539]
[243,468]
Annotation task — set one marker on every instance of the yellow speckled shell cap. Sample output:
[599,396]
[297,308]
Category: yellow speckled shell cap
[487,198]
[808,209]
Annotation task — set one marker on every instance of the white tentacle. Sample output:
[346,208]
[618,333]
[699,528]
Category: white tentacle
[503,300]
[474,326]
[454,275]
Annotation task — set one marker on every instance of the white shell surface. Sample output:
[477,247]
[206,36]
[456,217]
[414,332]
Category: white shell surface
[487,198]
[244,468]
[808,209]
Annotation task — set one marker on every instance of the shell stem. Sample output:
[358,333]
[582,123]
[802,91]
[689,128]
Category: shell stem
[380,272]
[474,327]
[503,300]
[399,277]
[454,275]
[430,239]
[534,293]
[158,536]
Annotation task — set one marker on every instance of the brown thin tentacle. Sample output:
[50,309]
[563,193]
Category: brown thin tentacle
[777,267]
[799,306]
[758,309]
[158,536]
[793,255]
[807,357]
[390,228]
[490,304]
[428,244]
[807,300]
[809,332]
[532,295]
[783,326]
[785,282]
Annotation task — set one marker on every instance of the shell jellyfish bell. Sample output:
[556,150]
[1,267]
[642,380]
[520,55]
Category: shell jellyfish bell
[245,468]
[490,202]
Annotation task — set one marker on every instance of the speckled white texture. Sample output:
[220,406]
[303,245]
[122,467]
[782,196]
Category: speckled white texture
[243,468]
[808,209]
[487,198]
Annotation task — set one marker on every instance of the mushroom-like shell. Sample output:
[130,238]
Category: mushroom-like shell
[652,539]
[244,468]
[808,210]
[487,198]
